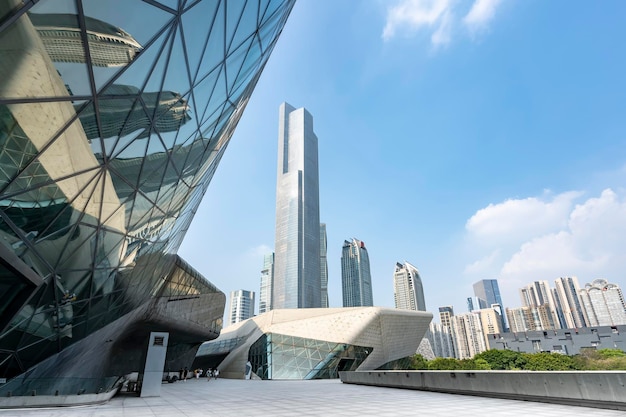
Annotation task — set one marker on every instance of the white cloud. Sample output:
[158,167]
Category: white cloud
[481,13]
[439,17]
[482,265]
[517,220]
[412,15]
[588,244]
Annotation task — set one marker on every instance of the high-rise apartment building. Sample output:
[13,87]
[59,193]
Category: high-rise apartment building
[469,339]
[323,265]
[604,303]
[538,294]
[356,280]
[297,278]
[445,314]
[241,306]
[408,292]
[520,319]
[267,280]
[491,323]
[441,340]
[568,302]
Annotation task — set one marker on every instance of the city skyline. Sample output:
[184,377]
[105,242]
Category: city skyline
[511,168]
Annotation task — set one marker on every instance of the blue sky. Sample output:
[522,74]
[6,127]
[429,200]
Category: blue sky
[473,138]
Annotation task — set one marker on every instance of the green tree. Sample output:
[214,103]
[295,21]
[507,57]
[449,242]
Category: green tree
[419,362]
[502,359]
[443,364]
[545,361]
[611,353]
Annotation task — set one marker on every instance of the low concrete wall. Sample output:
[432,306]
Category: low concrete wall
[55,400]
[600,389]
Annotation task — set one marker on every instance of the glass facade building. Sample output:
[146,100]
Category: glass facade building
[267,281]
[297,282]
[113,118]
[356,278]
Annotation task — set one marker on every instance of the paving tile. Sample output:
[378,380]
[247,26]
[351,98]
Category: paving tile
[225,398]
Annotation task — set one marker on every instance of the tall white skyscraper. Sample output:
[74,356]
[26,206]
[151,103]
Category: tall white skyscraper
[323,265]
[297,277]
[241,305]
[267,279]
[568,302]
[408,292]
[604,303]
[356,280]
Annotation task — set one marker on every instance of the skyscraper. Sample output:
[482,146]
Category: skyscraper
[297,278]
[355,275]
[408,292]
[469,339]
[241,306]
[488,292]
[323,265]
[567,290]
[539,295]
[604,303]
[267,280]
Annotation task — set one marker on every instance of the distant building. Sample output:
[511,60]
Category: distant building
[297,278]
[539,295]
[441,340]
[520,319]
[565,341]
[356,279]
[569,303]
[604,303]
[241,305]
[408,292]
[488,293]
[323,265]
[445,314]
[267,280]
[469,339]
[491,322]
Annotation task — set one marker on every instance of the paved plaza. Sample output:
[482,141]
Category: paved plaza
[242,398]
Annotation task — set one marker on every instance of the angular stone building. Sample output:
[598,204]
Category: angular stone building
[314,343]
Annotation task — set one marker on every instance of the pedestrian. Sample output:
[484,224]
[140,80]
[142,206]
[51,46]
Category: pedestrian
[216,373]
[185,372]
[209,374]
[180,374]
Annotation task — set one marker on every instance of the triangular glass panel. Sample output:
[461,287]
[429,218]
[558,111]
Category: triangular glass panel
[215,47]
[118,39]
[197,23]
[244,26]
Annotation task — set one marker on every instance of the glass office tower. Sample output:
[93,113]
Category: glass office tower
[113,118]
[297,282]
[356,279]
